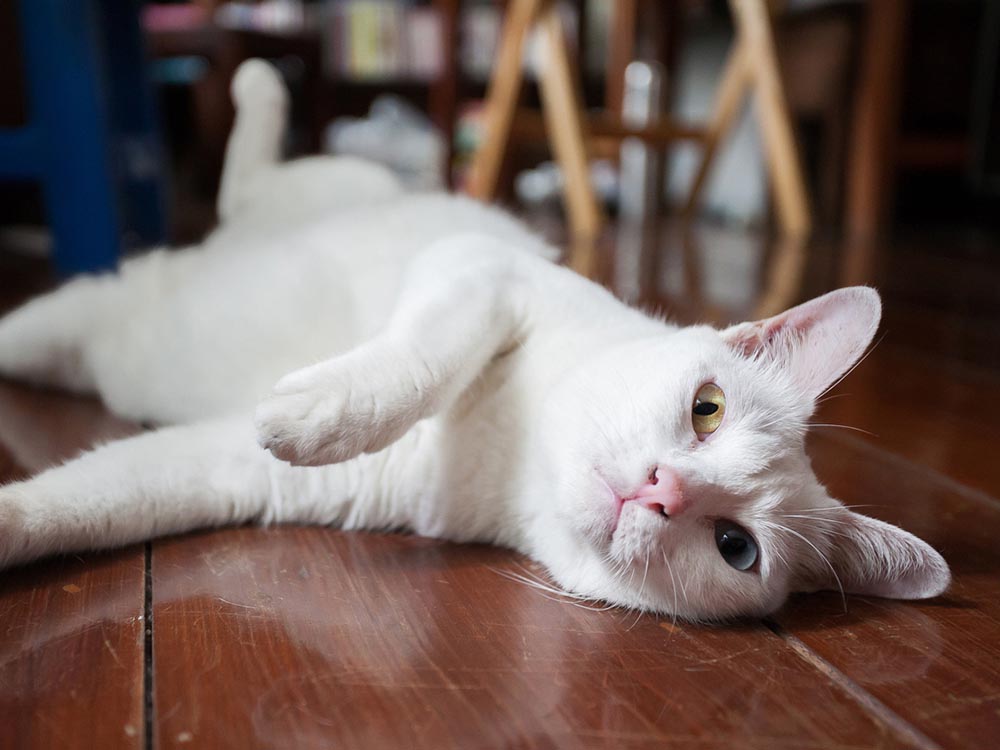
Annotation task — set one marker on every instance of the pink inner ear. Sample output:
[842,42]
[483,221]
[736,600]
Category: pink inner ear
[817,341]
[755,337]
[751,338]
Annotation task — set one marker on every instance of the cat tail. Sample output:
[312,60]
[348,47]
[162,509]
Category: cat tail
[261,101]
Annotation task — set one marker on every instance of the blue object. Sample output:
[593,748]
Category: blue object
[91,139]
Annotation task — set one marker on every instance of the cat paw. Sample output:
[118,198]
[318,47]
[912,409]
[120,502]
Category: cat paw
[258,82]
[337,410]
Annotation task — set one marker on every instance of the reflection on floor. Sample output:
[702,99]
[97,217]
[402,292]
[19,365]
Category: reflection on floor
[313,638]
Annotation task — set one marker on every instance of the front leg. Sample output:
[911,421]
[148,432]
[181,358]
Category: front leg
[461,305]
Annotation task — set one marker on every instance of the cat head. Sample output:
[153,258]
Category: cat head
[682,483]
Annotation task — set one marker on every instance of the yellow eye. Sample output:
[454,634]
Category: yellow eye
[708,409]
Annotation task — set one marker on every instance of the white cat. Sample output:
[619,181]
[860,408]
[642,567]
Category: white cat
[475,391]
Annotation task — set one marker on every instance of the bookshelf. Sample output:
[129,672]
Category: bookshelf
[348,52]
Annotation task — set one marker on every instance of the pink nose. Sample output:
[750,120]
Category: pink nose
[663,493]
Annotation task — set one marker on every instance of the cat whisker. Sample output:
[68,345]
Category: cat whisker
[551,592]
[642,587]
[830,398]
[819,519]
[826,531]
[616,566]
[840,586]
[781,558]
[837,508]
[673,585]
[854,367]
[843,427]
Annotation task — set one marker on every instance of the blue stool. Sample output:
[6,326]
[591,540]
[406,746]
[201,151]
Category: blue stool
[91,139]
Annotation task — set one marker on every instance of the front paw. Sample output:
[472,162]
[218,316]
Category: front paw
[335,411]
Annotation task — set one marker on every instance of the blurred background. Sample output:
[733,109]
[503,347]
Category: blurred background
[114,116]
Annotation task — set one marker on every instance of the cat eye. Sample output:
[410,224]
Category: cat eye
[708,409]
[735,544]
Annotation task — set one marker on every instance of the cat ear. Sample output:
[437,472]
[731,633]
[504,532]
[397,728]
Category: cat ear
[878,559]
[816,342]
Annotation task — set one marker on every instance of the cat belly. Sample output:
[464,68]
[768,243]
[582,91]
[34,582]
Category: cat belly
[212,337]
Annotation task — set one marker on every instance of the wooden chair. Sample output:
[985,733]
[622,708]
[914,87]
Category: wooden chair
[752,66]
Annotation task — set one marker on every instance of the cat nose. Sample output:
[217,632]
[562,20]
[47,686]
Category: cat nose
[664,492]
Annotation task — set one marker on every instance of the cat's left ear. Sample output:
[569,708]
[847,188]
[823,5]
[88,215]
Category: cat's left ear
[875,558]
[816,342]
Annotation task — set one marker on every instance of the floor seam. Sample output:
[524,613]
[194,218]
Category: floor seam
[875,708]
[147,672]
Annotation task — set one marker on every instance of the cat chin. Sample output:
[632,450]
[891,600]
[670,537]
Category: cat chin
[639,532]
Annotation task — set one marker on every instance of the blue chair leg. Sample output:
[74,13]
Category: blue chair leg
[67,103]
[134,114]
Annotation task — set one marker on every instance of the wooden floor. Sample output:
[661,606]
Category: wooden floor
[312,638]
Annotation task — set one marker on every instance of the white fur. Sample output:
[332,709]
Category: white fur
[454,383]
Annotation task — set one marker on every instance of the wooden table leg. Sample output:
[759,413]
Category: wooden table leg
[564,118]
[728,101]
[501,100]
[621,51]
[754,27]
[876,115]
[443,96]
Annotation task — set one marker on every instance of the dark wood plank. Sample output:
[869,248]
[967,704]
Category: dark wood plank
[71,653]
[71,630]
[296,637]
[943,417]
[935,664]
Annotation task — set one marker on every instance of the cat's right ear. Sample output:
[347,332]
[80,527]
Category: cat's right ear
[816,342]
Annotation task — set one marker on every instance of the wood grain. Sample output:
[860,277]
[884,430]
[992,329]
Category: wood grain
[935,664]
[71,653]
[314,638]
[943,418]
[71,630]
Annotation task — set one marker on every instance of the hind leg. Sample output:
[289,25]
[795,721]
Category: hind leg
[254,145]
[95,334]
[44,341]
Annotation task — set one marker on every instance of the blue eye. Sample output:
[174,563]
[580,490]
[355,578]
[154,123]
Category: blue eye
[735,544]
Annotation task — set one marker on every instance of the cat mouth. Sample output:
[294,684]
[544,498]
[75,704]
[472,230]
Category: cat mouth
[652,507]
[640,498]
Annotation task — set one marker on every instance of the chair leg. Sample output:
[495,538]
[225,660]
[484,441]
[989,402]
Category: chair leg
[621,51]
[876,111]
[501,101]
[67,102]
[564,118]
[753,23]
[728,101]
[136,141]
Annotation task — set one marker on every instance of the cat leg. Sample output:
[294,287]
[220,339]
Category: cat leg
[71,336]
[254,145]
[461,305]
[44,341]
[155,483]
[204,475]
